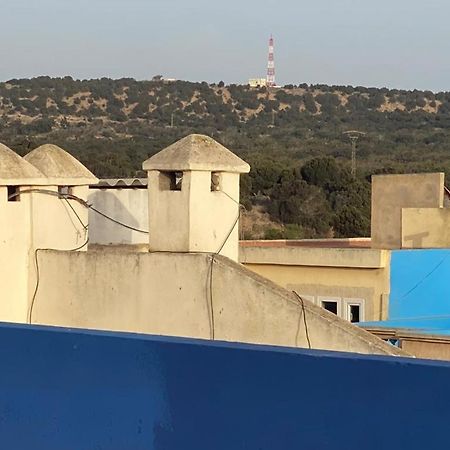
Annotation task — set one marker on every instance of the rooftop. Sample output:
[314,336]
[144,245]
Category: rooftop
[310,243]
[433,325]
[119,183]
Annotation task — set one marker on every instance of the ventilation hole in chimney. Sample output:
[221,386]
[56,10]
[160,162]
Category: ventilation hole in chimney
[170,181]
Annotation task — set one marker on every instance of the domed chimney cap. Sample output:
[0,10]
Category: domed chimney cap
[16,171]
[60,167]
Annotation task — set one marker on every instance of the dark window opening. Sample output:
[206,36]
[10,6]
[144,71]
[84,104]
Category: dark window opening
[13,194]
[65,190]
[215,181]
[170,181]
[330,306]
[355,311]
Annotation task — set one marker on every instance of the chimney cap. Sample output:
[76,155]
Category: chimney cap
[196,152]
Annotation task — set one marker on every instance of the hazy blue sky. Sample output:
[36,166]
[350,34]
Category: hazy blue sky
[393,43]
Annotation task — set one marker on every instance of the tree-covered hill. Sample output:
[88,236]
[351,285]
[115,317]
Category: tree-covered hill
[292,136]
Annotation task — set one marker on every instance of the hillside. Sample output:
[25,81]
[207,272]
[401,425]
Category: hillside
[292,136]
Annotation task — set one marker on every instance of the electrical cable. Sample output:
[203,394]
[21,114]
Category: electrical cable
[213,255]
[76,214]
[68,197]
[439,264]
[36,252]
[304,318]
[384,310]
[82,202]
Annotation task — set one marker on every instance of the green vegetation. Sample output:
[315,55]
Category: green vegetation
[291,136]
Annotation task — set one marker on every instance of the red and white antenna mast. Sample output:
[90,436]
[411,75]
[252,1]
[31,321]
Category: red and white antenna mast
[270,65]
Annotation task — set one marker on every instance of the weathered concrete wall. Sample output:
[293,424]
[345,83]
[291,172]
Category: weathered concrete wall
[36,221]
[129,206]
[428,349]
[391,193]
[336,273]
[74,389]
[170,294]
[425,228]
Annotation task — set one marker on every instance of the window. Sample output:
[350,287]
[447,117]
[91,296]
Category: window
[330,305]
[13,194]
[170,181]
[215,181]
[354,309]
[354,313]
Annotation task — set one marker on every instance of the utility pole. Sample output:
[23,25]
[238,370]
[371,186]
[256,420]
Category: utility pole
[353,136]
[171,120]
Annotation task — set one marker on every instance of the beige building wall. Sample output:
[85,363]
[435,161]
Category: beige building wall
[169,294]
[320,274]
[128,205]
[15,257]
[391,193]
[425,228]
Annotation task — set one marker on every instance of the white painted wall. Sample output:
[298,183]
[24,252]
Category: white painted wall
[129,206]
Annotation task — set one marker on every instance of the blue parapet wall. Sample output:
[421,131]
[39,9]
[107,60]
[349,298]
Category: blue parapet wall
[77,390]
[420,284]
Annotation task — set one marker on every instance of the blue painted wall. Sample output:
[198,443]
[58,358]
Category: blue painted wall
[64,390]
[420,284]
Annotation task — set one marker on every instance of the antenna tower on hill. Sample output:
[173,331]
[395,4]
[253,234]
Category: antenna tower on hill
[270,65]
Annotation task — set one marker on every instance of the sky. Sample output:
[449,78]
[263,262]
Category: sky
[383,43]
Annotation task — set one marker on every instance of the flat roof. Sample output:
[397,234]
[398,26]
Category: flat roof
[310,243]
[432,325]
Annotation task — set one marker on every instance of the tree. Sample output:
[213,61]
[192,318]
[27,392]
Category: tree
[325,173]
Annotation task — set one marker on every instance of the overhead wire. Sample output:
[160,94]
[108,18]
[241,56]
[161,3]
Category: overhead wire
[300,298]
[66,198]
[213,255]
[69,196]
[80,201]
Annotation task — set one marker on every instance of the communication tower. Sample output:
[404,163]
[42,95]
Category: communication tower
[270,65]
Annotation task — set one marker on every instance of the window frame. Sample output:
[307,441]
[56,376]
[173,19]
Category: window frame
[355,302]
[330,298]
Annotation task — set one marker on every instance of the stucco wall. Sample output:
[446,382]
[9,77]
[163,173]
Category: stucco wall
[129,206]
[15,256]
[170,294]
[73,389]
[37,221]
[425,228]
[391,193]
[327,273]
[194,218]
[58,223]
